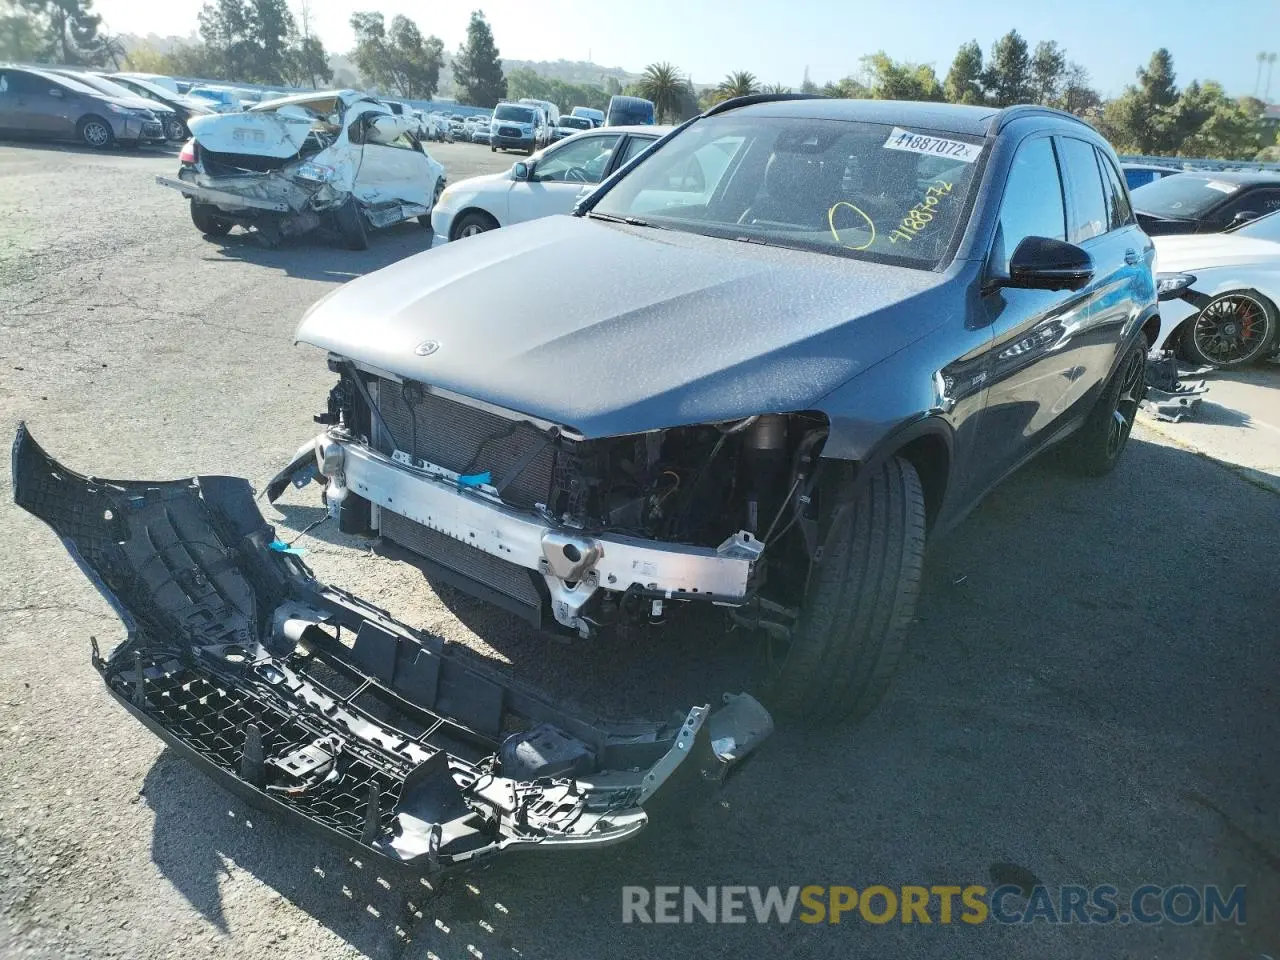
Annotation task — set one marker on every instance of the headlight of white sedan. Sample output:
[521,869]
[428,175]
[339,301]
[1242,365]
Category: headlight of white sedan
[1169,284]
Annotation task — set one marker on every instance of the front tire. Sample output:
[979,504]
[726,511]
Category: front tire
[1094,450]
[95,132]
[205,217]
[852,629]
[473,224]
[175,129]
[1233,329]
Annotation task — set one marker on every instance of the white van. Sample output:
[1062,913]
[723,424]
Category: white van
[550,109]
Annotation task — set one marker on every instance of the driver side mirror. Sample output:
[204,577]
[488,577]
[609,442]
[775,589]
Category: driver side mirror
[522,171]
[1042,263]
[1244,216]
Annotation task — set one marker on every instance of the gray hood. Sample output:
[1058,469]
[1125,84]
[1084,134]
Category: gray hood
[663,329]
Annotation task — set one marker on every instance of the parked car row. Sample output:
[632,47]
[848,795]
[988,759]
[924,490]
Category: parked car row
[64,105]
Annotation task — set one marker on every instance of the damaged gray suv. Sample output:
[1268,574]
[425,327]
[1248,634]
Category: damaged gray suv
[807,334]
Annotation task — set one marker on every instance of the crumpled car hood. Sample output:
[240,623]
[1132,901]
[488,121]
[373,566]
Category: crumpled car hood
[661,328]
[256,134]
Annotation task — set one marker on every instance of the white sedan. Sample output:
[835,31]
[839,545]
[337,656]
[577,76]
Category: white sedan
[1218,293]
[548,183]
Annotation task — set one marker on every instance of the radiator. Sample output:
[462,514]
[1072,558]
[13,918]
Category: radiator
[467,440]
[462,558]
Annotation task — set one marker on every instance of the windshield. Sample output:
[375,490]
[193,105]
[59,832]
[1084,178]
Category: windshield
[507,111]
[142,88]
[864,190]
[105,86]
[1264,228]
[578,123]
[1182,196]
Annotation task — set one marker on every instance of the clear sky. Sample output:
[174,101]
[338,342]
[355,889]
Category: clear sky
[777,40]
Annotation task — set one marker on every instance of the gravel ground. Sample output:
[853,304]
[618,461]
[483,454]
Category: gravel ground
[1090,696]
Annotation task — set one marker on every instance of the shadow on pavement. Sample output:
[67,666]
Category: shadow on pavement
[1089,698]
[317,256]
[70,146]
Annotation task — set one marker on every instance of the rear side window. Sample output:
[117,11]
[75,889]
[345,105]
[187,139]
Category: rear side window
[14,82]
[1084,189]
[1119,212]
[1032,202]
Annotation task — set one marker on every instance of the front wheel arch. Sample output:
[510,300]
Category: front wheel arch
[928,444]
[471,213]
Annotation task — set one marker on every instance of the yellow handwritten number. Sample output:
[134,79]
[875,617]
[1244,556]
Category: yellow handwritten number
[831,221]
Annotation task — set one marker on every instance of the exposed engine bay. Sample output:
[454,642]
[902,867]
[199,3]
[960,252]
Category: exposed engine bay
[311,703]
[714,512]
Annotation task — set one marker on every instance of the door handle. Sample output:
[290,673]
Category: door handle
[1131,257]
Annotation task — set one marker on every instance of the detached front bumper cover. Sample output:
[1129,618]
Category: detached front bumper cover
[305,700]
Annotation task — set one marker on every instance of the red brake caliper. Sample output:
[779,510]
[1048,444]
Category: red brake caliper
[1246,325]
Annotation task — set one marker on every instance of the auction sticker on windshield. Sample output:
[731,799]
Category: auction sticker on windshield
[901,139]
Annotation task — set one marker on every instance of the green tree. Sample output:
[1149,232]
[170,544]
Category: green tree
[477,70]
[226,31]
[1048,72]
[21,37]
[307,63]
[775,88]
[846,89]
[663,84]
[740,84]
[1007,77]
[64,31]
[1208,123]
[1077,95]
[891,80]
[1142,118]
[807,85]
[964,79]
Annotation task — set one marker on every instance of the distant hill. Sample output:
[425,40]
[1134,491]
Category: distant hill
[572,71]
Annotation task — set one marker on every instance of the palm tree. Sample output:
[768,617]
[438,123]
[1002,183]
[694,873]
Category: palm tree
[775,88]
[1257,81]
[662,83]
[740,84]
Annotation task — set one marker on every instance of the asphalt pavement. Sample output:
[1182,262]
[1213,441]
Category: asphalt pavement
[1090,695]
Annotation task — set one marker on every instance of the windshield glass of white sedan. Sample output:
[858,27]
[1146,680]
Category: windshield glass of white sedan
[864,190]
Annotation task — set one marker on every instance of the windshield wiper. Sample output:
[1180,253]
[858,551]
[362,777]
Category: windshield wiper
[610,218]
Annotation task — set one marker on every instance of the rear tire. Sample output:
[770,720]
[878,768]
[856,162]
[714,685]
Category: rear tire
[1094,449]
[95,132]
[205,217]
[852,628]
[350,223]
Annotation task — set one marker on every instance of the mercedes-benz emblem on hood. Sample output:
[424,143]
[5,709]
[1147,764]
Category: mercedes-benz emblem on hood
[426,348]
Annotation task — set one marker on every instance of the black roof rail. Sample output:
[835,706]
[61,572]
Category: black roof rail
[1009,114]
[734,102]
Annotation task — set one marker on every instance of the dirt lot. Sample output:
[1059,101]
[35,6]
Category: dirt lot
[1090,697]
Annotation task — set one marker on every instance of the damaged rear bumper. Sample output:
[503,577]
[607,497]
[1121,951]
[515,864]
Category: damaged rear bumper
[305,700]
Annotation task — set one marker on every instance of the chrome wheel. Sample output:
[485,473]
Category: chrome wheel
[96,133]
[1231,330]
[1133,385]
